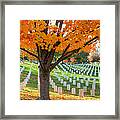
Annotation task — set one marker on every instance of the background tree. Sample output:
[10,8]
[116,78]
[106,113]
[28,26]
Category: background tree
[42,39]
[94,57]
[82,57]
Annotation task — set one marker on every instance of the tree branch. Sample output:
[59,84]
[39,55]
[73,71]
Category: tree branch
[50,57]
[29,52]
[90,41]
[65,49]
[87,43]
[62,58]
[68,54]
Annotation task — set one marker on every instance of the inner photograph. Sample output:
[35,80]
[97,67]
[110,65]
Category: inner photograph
[59,60]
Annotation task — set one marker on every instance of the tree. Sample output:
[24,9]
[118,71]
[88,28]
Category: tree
[42,39]
[82,57]
[94,57]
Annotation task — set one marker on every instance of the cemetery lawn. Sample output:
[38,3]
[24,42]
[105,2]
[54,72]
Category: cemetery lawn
[30,91]
[32,94]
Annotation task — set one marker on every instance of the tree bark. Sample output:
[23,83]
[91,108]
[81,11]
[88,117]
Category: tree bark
[44,84]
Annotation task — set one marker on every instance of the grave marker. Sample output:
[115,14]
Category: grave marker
[87,82]
[70,80]
[73,90]
[82,81]
[60,90]
[78,85]
[81,92]
[53,84]
[74,82]
[92,92]
[68,86]
[61,81]
[55,88]
[64,83]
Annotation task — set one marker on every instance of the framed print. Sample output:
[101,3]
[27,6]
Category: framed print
[60,60]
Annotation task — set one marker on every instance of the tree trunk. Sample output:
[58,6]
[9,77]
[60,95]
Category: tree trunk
[44,84]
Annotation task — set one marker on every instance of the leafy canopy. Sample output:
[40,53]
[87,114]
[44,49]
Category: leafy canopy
[65,37]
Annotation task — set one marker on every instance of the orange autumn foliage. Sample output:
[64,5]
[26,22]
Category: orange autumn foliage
[58,34]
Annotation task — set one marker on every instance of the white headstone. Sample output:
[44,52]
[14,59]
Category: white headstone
[82,81]
[93,86]
[78,85]
[58,78]
[91,74]
[22,69]
[92,92]
[81,92]
[60,90]
[95,71]
[73,90]
[68,86]
[51,82]
[87,83]
[25,80]
[50,79]
[85,89]
[64,83]
[74,77]
[53,85]
[61,80]
[70,80]
[65,76]
[55,88]
[74,82]
[87,72]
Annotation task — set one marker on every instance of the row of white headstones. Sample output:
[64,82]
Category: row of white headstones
[82,92]
[75,78]
[73,81]
[81,69]
[22,69]
[23,84]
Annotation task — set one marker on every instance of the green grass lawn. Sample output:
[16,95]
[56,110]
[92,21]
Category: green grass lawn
[33,82]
